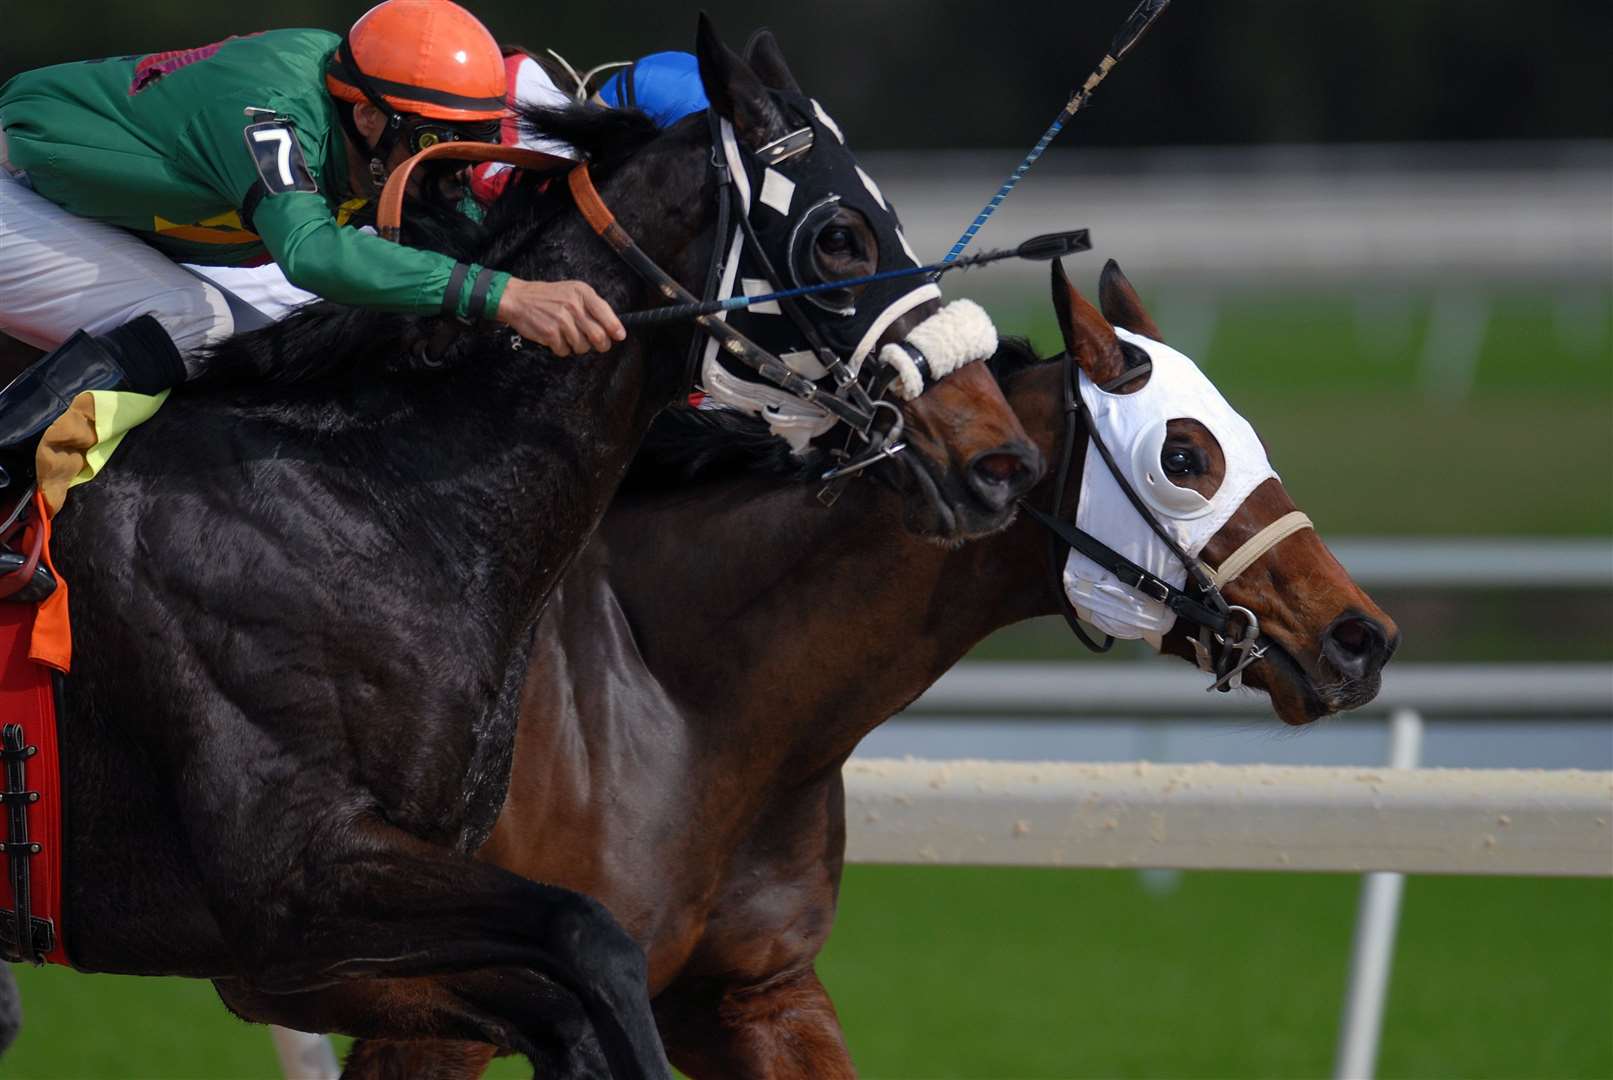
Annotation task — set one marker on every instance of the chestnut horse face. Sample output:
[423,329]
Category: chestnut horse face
[966,459]
[1202,473]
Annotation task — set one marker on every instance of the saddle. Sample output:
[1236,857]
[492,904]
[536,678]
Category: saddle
[30,785]
[30,838]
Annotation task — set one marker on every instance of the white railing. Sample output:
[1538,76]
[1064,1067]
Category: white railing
[1282,213]
[1230,817]
[1469,562]
[1174,688]
[1385,822]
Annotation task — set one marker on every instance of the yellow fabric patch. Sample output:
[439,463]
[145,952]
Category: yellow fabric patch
[352,206]
[225,228]
[116,413]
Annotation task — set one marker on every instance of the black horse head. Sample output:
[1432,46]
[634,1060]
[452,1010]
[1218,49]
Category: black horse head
[807,214]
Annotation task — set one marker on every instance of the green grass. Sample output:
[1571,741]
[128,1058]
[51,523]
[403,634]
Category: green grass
[1004,974]
[1041,973]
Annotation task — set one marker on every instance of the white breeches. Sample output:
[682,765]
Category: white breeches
[60,273]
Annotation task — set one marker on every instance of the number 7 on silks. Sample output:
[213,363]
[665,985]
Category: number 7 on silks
[278,157]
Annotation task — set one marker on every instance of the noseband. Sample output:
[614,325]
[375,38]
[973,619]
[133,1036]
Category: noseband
[1228,640]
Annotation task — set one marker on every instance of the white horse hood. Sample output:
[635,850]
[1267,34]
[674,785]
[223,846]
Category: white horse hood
[1133,426]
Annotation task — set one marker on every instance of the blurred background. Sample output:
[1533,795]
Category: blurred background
[1385,229]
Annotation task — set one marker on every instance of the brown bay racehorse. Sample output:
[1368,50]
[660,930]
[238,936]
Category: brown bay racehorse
[305,605]
[721,647]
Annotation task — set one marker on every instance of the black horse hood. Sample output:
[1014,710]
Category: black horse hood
[789,190]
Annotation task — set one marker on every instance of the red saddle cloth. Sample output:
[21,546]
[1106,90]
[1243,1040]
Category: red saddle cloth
[28,697]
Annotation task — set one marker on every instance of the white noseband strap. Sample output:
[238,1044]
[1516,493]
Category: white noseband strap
[1257,545]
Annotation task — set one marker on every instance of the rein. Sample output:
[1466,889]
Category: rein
[389,218]
[389,211]
[1043,248]
[1221,649]
[737,345]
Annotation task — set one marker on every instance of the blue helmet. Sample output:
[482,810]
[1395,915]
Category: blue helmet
[665,85]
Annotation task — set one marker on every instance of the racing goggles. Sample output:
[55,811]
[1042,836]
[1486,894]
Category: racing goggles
[424,134]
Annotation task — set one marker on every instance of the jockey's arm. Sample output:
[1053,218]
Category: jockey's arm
[361,269]
[353,267]
[299,230]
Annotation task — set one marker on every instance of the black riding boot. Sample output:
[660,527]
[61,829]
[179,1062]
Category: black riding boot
[139,356]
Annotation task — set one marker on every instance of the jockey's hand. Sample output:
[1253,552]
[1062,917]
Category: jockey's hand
[565,317]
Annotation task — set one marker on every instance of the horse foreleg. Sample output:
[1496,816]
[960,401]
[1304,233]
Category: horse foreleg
[372,902]
[438,1059]
[784,1029]
[432,1010]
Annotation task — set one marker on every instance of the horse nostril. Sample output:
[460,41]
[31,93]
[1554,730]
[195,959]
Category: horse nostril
[1356,645]
[1002,475]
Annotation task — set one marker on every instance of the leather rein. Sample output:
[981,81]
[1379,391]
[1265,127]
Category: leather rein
[389,215]
[1222,648]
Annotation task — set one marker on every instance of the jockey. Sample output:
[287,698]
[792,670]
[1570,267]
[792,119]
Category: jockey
[248,150]
[665,86]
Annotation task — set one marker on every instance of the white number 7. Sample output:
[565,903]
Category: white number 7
[283,155]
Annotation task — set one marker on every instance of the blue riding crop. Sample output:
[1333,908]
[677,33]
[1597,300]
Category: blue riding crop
[1136,25]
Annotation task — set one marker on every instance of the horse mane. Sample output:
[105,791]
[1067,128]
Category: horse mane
[1014,355]
[605,136]
[326,340]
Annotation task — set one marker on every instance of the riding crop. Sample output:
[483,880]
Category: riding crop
[1044,248]
[1135,26]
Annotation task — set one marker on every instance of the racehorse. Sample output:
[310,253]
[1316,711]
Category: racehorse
[697,685]
[304,606]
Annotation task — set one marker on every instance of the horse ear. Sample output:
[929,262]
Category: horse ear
[767,60]
[1087,335]
[734,90]
[1121,304]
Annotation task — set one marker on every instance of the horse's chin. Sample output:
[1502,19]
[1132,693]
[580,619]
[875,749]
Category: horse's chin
[1294,696]
[941,509]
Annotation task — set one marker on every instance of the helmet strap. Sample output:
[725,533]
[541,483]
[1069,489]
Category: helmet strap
[346,65]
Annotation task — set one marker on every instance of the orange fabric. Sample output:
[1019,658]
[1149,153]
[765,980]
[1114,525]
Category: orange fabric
[198,234]
[62,449]
[432,45]
[52,641]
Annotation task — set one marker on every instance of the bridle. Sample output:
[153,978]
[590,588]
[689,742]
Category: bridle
[1228,638]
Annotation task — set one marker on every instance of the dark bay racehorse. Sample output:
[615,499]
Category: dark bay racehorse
[305,610]
[723,644]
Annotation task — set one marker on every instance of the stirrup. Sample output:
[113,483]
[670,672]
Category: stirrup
[24,577]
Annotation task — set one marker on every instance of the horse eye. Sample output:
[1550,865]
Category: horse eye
[836,240]
[1179,461]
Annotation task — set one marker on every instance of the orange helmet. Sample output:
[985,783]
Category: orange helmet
[423,57]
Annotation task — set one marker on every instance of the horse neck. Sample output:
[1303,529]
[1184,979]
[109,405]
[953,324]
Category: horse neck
[568,427]
[495,471]
[791,630]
